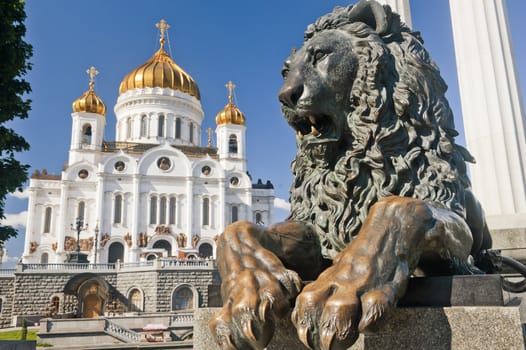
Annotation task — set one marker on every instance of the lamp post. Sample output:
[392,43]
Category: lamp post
[96,243]
[78,257]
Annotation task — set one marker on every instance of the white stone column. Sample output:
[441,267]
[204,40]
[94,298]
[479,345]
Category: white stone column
[402,8]
[492,109]
[135,216]
[30,223]
[222,204]
[190,208]
[62,220]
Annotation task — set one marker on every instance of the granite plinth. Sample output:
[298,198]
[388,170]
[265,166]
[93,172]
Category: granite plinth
[453,312]
[457,327]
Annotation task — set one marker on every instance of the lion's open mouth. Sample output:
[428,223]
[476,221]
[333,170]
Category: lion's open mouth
[313,127]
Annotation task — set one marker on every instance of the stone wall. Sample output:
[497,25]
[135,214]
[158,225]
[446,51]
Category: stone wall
[6,295]
[168,280]
[146,281]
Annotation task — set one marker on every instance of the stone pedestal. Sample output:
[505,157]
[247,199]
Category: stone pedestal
[454,312]
[457,327]
[77,258]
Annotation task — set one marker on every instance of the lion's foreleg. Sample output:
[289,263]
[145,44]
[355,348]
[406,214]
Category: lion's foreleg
[370,275]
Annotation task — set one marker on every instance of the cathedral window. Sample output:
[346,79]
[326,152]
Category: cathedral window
[235,216]
[86,134]
[44,258]
[178,128]
[136,300]
[117,210]
[232,144]
[191,132]
[115,252]
[153,210]
[171,211]
[162,211]
[144,126]
[47,220]
[183,299]
[81,210]
[206,211]
[259,219]
[206,250]
[160,126]
[129,128]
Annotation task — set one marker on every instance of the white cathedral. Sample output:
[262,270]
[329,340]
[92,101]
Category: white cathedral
[153,192]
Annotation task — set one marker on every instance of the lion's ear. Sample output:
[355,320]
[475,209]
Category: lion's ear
[375,15]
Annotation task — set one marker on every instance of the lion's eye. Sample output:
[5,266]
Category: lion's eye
[284,72]
[318,56]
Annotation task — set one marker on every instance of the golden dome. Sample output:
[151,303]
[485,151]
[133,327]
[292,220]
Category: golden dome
[89,101]
[230,114]
[160,71]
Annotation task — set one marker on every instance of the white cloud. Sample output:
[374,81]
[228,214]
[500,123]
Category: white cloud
[20,195]
[18,220]
[281,204]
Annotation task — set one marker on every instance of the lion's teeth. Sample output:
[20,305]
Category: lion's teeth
[300,135]
[314,131]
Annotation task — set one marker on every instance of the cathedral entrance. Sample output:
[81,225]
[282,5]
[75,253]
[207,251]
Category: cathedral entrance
[92,293]
[92,306]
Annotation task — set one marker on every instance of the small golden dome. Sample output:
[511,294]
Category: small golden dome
[230,114]
[160,71]
[89,101]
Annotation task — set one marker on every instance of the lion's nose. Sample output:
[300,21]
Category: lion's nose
[290,94]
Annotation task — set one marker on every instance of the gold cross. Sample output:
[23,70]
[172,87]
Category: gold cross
[92,72]
[209,131]
[163,27]
[230,86]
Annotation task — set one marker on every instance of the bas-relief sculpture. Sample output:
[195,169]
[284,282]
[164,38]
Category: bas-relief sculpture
[380,190]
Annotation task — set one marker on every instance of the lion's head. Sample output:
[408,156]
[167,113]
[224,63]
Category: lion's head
[368,106]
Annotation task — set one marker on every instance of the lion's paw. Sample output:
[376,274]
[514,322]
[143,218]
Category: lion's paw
[332,311]
[256,300]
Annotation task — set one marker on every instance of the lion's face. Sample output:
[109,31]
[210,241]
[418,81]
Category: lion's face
[315,94]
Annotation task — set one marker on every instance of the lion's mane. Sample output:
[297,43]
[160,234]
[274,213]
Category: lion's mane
[400,131]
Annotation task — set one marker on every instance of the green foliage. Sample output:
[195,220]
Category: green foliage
[14,64]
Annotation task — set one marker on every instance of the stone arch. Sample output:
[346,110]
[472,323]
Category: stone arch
[206,250]
[115,252]
[135,297]
[184,297]
[163,244]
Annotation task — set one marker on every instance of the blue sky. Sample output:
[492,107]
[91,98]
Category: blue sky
[214,41]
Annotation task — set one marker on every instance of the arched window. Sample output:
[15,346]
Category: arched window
[81,211]
[117,212]
[162,211]
[129,128]
[171,211]
[163,244]
[55,304]
[115,252]
[206,250]
[144,126]
[153,210]
[259,219]
[235,216]
[191,132]
[136,300]
[44,258]
[160,126]
[178,128]
[232,144]
[47,220]
[86,134]
[182,299]
[206,211]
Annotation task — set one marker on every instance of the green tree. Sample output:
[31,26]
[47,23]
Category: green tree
[14,64]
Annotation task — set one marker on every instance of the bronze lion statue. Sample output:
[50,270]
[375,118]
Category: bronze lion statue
[380,190]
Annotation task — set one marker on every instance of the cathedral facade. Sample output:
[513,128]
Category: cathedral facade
[153,192]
